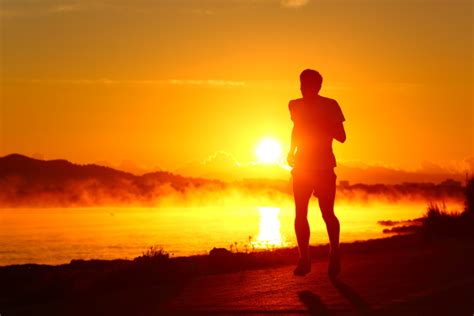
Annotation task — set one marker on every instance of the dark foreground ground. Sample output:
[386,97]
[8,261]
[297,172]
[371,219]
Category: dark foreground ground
[394,276]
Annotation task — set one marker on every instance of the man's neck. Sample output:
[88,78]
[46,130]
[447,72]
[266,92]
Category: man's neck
[311,99]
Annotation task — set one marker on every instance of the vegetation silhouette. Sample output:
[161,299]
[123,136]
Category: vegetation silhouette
[439,223]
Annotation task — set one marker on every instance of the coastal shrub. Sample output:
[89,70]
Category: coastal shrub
[469,198]
[438,222]
[154,254]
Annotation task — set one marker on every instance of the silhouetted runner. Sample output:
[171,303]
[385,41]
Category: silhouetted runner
[317,121]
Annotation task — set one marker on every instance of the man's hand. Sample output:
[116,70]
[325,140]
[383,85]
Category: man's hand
[291,158]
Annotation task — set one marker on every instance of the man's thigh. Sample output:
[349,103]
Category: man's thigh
[325,190]
[302,191]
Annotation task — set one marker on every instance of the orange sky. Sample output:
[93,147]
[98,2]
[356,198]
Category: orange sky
[164,83]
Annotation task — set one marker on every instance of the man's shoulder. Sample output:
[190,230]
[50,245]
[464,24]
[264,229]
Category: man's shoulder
[333,109]
[295,103]
[328,101]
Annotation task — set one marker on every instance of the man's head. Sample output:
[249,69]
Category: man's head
[311,82]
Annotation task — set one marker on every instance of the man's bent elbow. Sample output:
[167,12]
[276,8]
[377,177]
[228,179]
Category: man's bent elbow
[341,138]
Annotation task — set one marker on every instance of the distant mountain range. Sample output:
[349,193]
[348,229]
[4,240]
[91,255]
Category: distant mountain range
[28,182]
[224,166]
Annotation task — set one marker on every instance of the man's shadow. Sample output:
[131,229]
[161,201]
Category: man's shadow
[352,296]
[313,303]
[316,307]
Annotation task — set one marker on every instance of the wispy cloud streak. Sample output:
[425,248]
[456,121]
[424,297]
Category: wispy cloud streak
[294,3]
[106,81]
[27,8]
[208,82]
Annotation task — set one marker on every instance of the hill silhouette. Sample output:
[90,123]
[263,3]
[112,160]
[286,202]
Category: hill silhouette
[29,181]
[49,171]
[26,181]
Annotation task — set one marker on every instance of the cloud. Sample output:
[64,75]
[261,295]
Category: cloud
[294,3]
[224,166]
[106,81]
[67,7]
[220,165]
[28,8]
[208,82]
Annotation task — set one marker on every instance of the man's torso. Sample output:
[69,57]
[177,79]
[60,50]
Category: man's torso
[314,124]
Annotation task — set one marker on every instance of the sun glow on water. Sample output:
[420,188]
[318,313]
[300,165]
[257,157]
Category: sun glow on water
[269,234]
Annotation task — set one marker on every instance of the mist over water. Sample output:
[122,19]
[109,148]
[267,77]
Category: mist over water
[57,235]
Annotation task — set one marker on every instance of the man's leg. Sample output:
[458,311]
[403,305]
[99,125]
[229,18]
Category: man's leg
[326,204]
[302,191]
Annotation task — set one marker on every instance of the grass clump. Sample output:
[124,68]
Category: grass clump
[438,222]
[154,254]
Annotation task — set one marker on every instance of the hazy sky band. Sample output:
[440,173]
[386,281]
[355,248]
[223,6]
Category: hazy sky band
[401,70]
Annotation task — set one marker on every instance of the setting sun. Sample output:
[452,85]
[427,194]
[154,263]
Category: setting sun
[268,151]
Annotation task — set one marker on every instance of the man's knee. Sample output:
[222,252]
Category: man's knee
[329,216]
[300,219]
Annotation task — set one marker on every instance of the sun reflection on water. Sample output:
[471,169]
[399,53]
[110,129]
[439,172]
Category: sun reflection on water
[269,234]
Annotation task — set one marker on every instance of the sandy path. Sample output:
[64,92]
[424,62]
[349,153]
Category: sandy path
[405,279]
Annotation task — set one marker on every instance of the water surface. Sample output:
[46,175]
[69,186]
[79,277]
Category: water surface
[53,236]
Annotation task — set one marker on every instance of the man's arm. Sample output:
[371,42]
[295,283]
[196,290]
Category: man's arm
[339,132]
[291,154]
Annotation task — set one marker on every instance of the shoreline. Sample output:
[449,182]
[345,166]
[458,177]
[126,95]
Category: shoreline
[317,251]
[154,282]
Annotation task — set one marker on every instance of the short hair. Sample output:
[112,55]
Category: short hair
[311,77]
